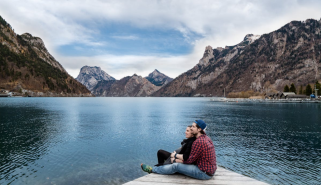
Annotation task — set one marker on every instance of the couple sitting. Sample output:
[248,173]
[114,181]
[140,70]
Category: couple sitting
[196,157]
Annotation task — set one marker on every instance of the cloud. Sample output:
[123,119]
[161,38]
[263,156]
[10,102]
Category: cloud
[128,37]
[219,23]
[74,20]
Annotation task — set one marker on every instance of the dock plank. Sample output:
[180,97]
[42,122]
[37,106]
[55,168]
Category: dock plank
[221,177]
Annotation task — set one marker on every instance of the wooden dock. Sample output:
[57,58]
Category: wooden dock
[221,177]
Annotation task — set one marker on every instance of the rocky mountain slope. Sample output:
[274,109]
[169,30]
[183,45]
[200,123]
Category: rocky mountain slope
[90,76]
[157,78]
[130,86]
[264,63]
[26,67]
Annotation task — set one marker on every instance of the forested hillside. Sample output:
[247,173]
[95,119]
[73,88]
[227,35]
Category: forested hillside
[26,67]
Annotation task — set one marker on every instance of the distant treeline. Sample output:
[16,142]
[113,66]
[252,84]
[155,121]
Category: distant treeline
[304,90]
[307,90]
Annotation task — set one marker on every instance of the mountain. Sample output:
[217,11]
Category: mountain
[130,86]
[41,51]
[27,68]
[157,78]
[90,76]
[264,63]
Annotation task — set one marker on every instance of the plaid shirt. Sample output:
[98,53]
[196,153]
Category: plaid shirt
[203,153]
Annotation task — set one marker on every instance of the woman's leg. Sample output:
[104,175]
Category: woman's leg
[186,169]
[162,155]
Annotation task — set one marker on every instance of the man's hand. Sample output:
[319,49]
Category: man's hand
[172,159]
[173,154]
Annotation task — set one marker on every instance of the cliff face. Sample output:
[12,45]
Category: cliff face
[27,67]
[39,47]
[90,76]
[157,78]
[264,63]
[130,86]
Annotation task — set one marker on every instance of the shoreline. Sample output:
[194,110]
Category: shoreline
[265,100]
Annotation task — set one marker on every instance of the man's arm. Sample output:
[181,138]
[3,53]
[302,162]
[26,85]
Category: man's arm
[177,160]
[178,156]
[186,154]
[195,153]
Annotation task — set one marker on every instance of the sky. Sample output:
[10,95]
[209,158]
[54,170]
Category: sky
[137,36]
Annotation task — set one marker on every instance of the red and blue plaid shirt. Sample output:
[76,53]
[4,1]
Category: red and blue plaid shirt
[203,153]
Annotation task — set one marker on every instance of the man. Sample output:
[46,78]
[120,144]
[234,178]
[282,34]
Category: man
[202,154]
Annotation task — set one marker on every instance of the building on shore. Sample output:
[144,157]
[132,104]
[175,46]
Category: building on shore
[5,93]
[284,95]
[273,96]
[296,96]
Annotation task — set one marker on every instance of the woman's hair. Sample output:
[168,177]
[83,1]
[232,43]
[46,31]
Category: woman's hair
[202,131]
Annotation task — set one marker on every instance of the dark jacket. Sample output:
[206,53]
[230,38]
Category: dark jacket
[187,147]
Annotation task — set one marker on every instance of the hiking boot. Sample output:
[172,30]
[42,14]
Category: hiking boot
[146,168]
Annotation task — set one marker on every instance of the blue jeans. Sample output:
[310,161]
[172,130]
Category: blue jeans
[186,169]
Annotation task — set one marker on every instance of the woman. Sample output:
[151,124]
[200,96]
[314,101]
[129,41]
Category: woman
[164,157]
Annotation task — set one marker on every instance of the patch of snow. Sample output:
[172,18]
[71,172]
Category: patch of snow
[250,38]
[253,38]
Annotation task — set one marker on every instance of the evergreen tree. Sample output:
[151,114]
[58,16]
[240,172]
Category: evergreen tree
[292,88]
[308,90]
[286,88]
[301,90]
[318,86]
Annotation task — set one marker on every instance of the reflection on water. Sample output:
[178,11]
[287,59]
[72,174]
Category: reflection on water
[104,140]
[23,140]
[276,143]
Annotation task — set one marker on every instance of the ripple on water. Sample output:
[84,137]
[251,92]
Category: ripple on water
[104,140]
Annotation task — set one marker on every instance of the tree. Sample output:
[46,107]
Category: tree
[308,90]
[318,86]
[301,90]
[292,88]
[286,88]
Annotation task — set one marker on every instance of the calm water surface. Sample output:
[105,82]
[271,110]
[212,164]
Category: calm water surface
[104,140]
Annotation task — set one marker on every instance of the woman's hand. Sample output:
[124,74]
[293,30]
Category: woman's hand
[173,154]
[172,159]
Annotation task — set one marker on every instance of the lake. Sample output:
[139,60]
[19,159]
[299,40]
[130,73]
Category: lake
[104,140]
